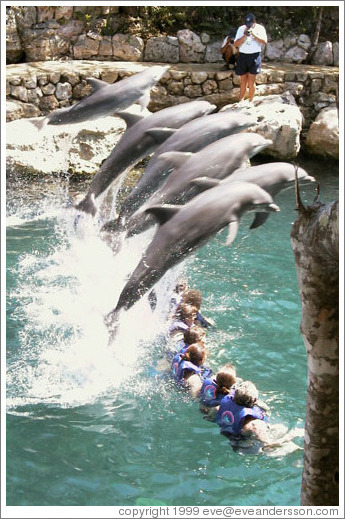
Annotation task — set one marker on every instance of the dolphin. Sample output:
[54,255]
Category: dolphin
[217,160]
[191,137]
[106,99]
[183,229]
[273,177]
[142,136]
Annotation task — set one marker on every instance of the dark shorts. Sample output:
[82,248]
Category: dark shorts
[248,63]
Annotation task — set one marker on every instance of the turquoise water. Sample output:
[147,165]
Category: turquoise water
[92,424]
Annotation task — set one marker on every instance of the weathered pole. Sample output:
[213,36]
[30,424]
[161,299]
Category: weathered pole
[315,243]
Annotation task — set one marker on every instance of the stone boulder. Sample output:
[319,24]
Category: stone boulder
[164,49]
[323,54]
[192,50]
[279,119]
[76,148]
[127,47]
[323,135]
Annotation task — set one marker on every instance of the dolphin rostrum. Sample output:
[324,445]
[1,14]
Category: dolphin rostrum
[183,229]
[217,160]
[142,136]
[191,137]
[273,177]
[106,99]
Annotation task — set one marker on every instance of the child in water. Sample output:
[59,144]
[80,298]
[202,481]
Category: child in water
[213,390]
[194,297]
[184,318]
[188,368]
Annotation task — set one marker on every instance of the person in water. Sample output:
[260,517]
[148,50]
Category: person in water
[194,297]
[214,389]
[239,409]
[188,368]
[184,318]
[190,336]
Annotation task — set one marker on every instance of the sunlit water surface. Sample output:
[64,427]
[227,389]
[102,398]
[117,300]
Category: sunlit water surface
[94,424]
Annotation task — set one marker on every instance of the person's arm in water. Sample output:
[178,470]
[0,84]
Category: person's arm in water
[260,430]
[193,383]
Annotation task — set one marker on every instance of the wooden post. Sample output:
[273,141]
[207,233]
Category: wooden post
[315,243]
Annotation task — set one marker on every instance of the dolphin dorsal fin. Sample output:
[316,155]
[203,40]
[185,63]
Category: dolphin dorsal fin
[260,219]
[96,84]
[163,213]
[204,183]
[232,232]
[177,158]
[160,134]
[130,118]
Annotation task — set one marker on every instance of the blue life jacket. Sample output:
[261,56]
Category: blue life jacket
[230,416]
[181,346]
[178,325]
[179,366]
[208,393]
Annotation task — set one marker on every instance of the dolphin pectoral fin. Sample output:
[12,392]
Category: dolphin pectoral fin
[163,213]
[204,183]
[96,84]
[130,118]
[232,233]
[144,100]
[160,134]
[260,219]
[40,123]
[177,158]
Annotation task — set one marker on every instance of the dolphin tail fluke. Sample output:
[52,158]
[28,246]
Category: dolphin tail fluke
[87,205]
[260,219]
[40,123]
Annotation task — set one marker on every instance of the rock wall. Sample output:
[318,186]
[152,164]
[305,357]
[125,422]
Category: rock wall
[38,88]
[66,32]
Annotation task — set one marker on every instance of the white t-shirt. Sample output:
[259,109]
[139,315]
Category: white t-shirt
[251,45]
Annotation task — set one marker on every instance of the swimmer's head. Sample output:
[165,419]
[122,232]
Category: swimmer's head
[195,353]
[225,378]
[194,334]
[246,394]
[186,313]
[193,297]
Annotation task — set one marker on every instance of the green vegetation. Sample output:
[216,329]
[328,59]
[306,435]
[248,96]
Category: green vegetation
[280,21]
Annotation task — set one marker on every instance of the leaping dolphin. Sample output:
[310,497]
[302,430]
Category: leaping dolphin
[183,229]
[273,177]
[142,136]
[217,160]
[191,137]
[106,99]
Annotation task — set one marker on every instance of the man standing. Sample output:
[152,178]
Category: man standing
[249,38]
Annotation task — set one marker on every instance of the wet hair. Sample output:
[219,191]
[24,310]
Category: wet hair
[185,311]
[194,334]
[195,353]
[246,394]
[192,297]
[225,378]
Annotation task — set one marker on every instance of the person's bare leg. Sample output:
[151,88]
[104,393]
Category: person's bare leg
[251,86]
[243,86]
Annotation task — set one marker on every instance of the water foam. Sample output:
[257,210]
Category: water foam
[65,357]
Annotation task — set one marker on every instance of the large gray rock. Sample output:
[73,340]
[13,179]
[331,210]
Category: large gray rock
[163,49]
[323,135]
[279,119]
[127,47]
[78,148]
[323,54]
[192,50]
